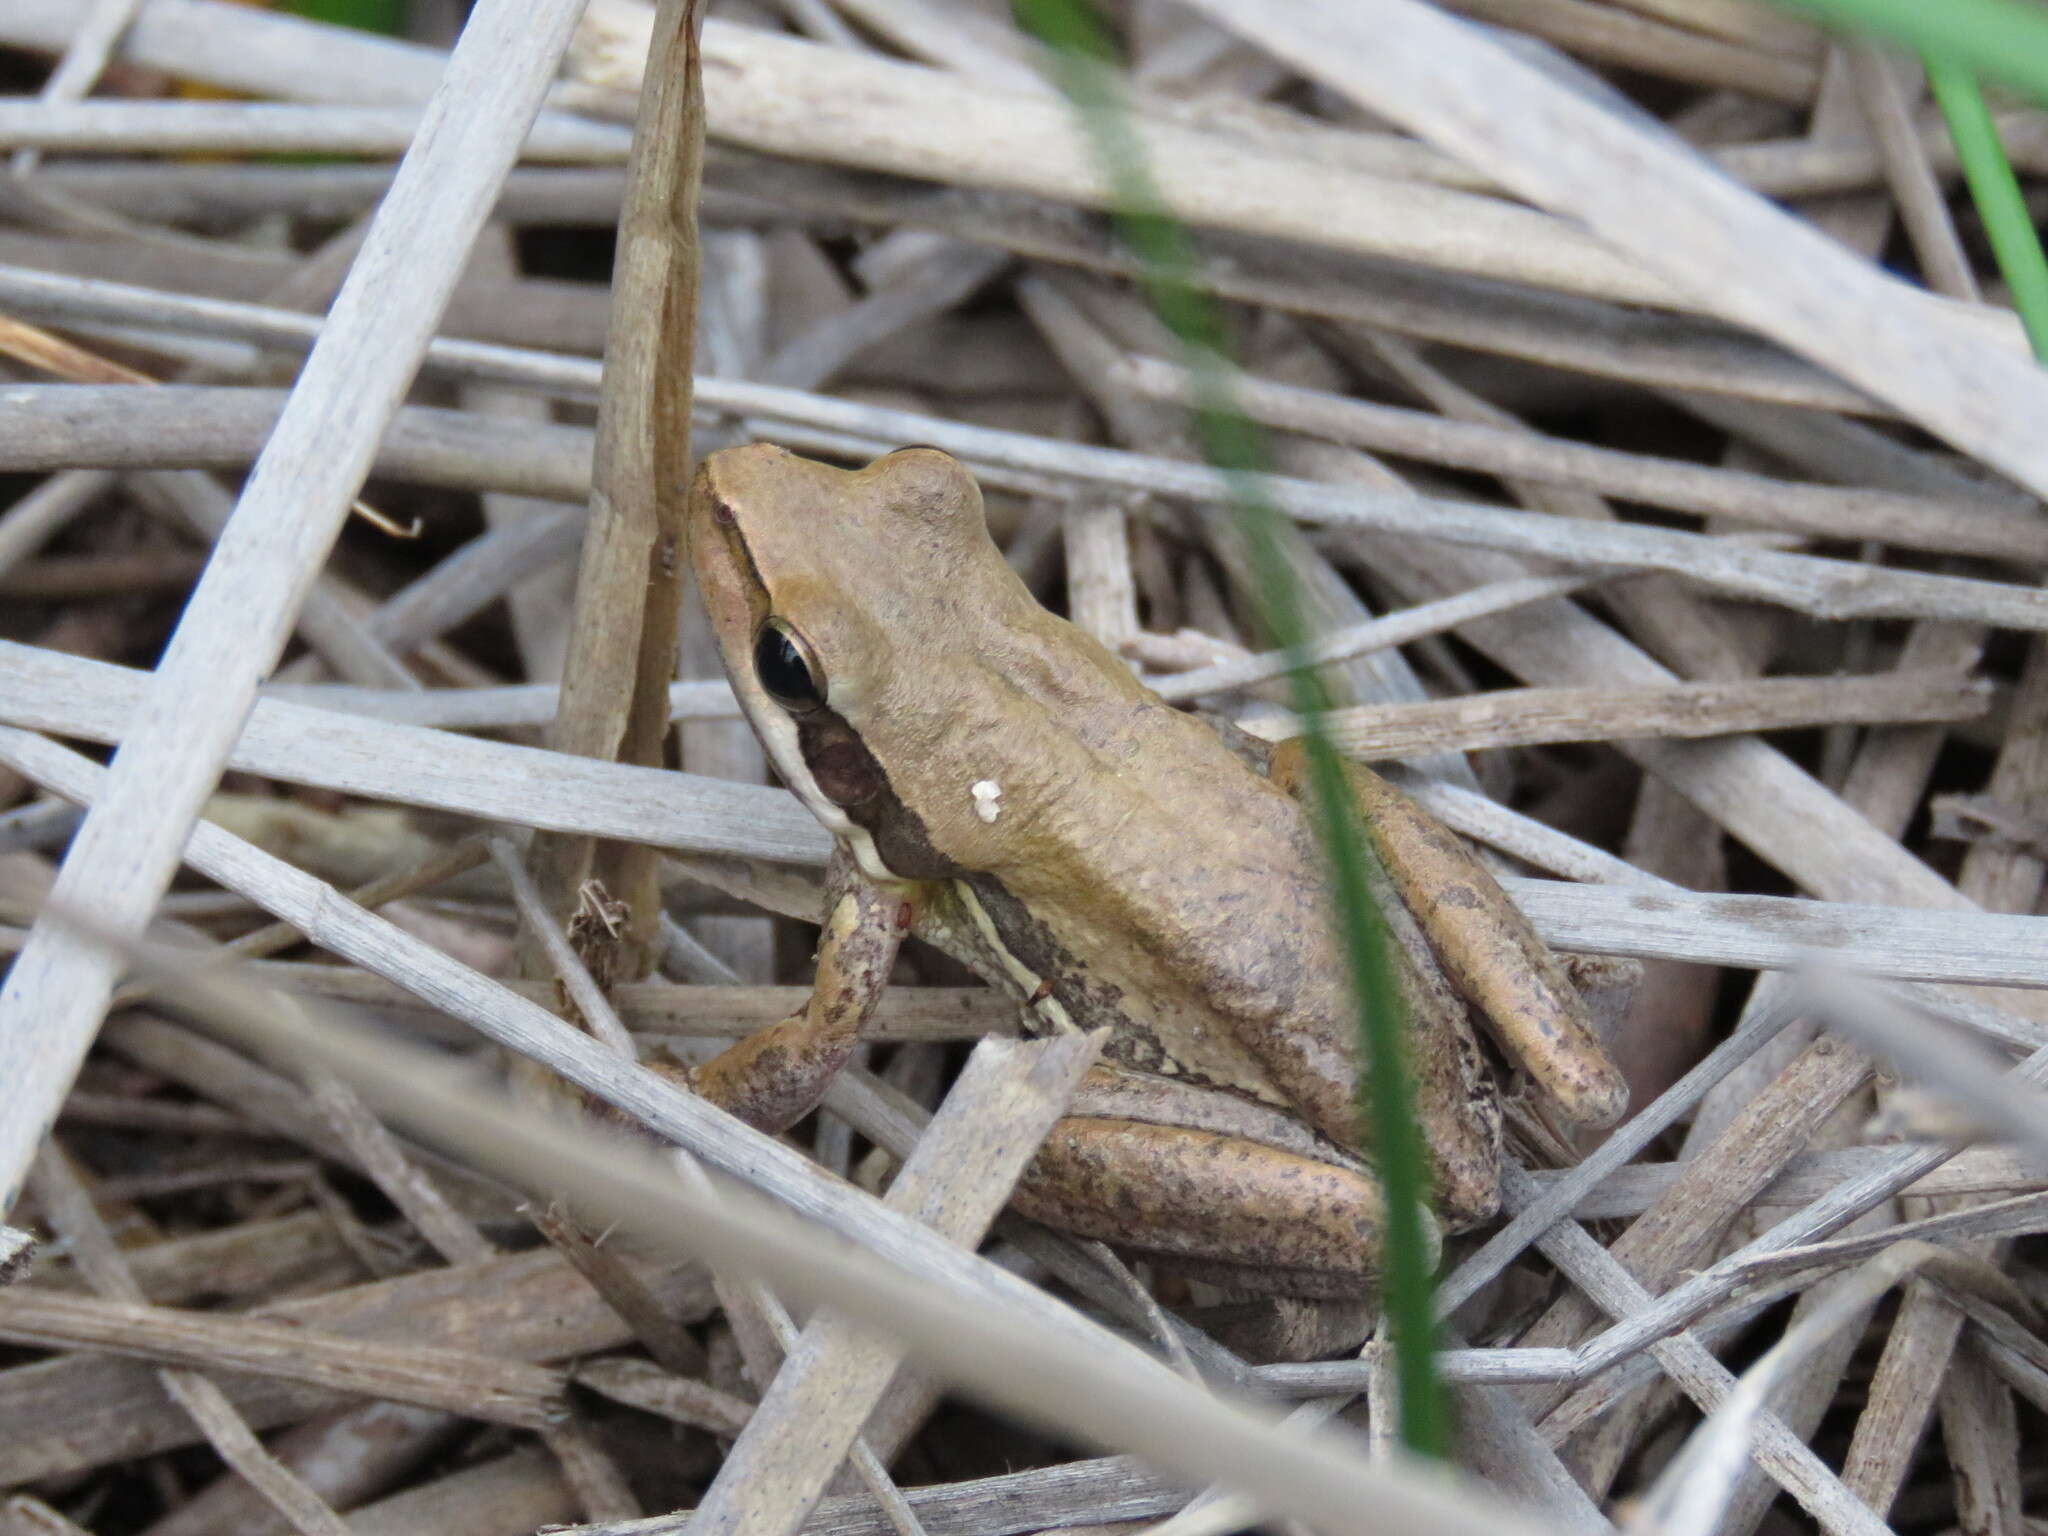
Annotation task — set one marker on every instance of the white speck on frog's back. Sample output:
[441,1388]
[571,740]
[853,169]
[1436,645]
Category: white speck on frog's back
[988,795]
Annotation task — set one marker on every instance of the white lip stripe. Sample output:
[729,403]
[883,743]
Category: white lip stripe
[779,735]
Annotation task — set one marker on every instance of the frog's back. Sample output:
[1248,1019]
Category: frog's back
[1191,918]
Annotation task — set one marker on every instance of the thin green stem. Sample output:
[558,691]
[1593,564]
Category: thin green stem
[1083,59]
[1997,39]
[1996,192]
[386,16]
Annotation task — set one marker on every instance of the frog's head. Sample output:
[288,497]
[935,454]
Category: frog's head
[832,593]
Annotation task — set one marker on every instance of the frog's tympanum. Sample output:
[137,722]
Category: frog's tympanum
[1111,862]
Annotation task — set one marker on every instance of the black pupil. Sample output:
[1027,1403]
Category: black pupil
[780,666]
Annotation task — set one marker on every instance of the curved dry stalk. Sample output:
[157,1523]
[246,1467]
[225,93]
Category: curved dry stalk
[294,502]
[1689,1498]
[1101,1388]
[1645,193]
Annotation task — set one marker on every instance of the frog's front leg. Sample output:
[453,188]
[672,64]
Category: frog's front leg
[773,1078]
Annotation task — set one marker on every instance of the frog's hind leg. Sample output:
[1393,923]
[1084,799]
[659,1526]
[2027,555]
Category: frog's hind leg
[1485,945]
[1199,1197]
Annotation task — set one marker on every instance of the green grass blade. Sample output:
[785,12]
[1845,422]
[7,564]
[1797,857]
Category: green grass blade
[386,16]
[1960,40]
[1996,192]
[1083,61]
[1998,39]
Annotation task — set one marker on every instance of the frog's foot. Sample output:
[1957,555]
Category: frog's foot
[1194,1197]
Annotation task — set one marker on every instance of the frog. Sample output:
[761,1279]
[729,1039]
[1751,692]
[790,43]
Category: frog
[997,779]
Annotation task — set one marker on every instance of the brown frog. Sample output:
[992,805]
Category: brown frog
[1112,862]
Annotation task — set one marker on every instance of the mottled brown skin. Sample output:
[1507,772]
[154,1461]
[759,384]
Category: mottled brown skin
[1135,873]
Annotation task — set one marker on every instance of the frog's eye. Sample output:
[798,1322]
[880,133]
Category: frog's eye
[786,668]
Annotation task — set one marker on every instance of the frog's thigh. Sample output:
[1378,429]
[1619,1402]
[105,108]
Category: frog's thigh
[1205,1197]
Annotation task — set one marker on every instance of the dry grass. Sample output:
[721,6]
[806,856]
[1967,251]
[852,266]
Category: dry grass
[1680,547]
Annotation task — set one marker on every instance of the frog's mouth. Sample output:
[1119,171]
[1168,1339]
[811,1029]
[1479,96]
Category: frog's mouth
[729,602]
[734,603]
